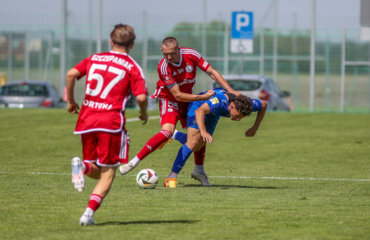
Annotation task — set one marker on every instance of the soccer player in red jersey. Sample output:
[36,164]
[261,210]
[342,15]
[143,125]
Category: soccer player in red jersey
[110,77]
[177,71]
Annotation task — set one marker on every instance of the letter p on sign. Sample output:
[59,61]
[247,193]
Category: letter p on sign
[242,20]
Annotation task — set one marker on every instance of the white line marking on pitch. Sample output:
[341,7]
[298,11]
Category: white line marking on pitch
[237,177]
[138,119]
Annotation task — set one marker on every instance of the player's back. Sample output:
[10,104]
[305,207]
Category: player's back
[218,104]
[110,76]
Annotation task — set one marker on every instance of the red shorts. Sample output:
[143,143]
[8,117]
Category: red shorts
[173,111]
[106,149]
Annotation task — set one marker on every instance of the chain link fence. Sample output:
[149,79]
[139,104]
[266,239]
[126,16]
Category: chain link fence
[33,51]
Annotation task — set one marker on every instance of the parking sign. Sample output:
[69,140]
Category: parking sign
[242,32]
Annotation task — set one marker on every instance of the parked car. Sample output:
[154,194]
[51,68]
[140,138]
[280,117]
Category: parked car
[29,94]
[259,87]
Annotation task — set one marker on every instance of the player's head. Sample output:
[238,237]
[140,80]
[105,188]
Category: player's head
[122,36]
[170,49]
[241,107]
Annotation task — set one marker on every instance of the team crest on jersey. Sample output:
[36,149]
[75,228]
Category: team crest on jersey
[189,68]
[214,101]
[170,110]
[167,79]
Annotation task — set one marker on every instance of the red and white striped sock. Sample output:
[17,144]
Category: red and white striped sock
[95,202]
[154,143]
[88,168]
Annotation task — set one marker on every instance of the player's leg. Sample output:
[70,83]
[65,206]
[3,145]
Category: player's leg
[169,118]
[87,167]
[180,136]
[109,150]
[152,145]
[198,173]
[193,137]
[100,191]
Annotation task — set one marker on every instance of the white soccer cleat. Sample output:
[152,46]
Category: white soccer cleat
[201,177]
[86,220]
[78,178]
[125,168]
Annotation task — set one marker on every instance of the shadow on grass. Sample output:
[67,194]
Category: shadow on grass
[229,186]
[146,222]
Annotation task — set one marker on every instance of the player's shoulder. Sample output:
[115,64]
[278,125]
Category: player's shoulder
[217,98]
[189,52]
[163,67]
[257,105]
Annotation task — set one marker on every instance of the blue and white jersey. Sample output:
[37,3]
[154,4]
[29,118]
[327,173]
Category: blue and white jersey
[219,105]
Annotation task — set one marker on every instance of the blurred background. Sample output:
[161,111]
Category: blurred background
[318,51]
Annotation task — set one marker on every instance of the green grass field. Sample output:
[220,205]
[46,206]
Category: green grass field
[303,176]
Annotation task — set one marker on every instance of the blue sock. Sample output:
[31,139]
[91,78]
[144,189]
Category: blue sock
[183,155]
[181,137]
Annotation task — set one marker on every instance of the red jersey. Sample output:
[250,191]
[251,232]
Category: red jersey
[182,73]
[110,77]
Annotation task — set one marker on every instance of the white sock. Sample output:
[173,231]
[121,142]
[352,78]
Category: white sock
[172,175]
[199,168]
[83,167]
[135,161]
[89,212]
[174,134]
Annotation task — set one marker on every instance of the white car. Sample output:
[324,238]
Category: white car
[259,87]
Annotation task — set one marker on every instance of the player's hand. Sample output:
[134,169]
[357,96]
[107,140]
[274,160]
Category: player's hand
[206,137]
[236,93]
[73,107]
[251,132]
[144,117]
[209,94]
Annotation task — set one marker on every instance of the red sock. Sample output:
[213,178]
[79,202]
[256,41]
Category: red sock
[199,156]
[88,167]
[154,143]
[95,202]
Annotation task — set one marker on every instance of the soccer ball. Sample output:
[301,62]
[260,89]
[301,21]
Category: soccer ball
[147,179]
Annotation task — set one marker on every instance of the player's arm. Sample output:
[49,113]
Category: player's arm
[142,100]
[72,75]
[215,75]
[260,114]
[199,117]
[186,97]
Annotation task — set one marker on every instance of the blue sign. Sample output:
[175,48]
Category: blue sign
[242,25]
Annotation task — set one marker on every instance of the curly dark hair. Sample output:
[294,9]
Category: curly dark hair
[243,104]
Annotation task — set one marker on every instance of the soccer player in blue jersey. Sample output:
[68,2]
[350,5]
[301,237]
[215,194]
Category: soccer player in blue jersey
[202,119]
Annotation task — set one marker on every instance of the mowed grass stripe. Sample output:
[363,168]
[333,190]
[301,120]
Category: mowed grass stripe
[182,176]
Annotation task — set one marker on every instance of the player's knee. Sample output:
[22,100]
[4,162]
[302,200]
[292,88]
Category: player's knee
[193,143]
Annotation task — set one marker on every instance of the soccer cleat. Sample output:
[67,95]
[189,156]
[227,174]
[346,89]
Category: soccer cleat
[78,178]
[201,177]
[125,168]
[86,220]
[162,145]
[170,182]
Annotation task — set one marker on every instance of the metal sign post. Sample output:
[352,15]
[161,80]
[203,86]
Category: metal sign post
[241,34]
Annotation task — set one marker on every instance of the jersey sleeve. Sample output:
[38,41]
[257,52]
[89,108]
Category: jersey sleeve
[214,103]
[199,60]
[138,83]
[165,74]
[82,67]
[257,105]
